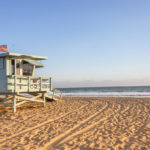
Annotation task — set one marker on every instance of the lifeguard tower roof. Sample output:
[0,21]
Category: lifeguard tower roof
[22,56]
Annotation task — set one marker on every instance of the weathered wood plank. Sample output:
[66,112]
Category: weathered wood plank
[19,103]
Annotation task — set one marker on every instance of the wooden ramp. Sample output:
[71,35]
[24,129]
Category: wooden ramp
[51,95]
[54,94]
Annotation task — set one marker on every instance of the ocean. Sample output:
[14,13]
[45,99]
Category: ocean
[128,91]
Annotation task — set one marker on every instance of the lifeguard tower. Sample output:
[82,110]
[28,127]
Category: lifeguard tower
[18,83]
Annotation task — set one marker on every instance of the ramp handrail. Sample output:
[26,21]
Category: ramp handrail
[56,94]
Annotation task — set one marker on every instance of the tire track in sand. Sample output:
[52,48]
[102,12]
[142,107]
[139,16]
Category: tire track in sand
[103,139]
[48,133]
[39,125]
[66,135]
[78,131]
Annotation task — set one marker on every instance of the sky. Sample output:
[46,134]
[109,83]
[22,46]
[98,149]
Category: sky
[87,42]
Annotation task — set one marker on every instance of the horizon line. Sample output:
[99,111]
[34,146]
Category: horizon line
[104,86]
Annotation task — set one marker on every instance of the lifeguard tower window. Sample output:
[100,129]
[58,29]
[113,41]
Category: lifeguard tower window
[15,70]
[12,67]
[17,67]
[27,69]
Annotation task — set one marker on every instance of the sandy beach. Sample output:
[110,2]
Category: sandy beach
[84,123]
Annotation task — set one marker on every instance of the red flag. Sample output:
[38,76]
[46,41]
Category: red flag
[3,48]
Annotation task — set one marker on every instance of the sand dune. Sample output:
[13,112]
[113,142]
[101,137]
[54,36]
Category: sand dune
[78,123]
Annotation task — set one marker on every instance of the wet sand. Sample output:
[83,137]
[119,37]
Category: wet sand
[78,123]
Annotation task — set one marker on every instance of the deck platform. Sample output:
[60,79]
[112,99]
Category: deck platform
[21,89]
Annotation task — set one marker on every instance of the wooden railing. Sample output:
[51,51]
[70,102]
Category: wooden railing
[56,94]
[28,83]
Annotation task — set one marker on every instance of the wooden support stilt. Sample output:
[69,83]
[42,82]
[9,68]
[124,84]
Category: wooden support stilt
[43,96]
[14,103]
[53,94]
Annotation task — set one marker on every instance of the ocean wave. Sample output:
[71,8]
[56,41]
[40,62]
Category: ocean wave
[110,94]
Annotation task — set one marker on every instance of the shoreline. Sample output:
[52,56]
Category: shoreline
[78,122]
[107,97]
